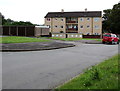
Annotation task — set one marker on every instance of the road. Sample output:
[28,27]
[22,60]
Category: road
[50,68]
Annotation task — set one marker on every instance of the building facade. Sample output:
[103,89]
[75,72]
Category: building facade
[86,22]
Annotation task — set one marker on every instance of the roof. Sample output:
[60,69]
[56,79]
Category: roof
[74,14]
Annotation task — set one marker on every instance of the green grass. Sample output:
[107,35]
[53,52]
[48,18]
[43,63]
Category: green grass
[15,39]
[73,39]
[101,76]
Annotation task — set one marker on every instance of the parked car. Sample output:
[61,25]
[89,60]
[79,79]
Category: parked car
[110,38]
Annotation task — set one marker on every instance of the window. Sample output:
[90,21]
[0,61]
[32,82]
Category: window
[56,26]
[61,19]
[61,26]
[88,26]
[48,19]
[113,35]
[48,26]
[72,35]
[96,19]
[88,33]
[81,19]
[53,35]
[88,19]
[76,35]
[96,27]
[81,26]
[96,33]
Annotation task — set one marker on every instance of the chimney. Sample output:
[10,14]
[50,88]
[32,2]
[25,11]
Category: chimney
[62,10]
[85,9]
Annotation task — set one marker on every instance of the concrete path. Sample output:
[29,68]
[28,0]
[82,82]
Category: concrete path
[50,68]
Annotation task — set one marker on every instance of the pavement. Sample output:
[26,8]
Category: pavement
[51,68]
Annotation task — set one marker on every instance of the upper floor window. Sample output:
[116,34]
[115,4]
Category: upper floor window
[96,19]
[96,27]
[48,19]
[56,26]
[81,19]
[81,26]
[55,18]
[88,26]
[61,19]
[88,19]
[61,26]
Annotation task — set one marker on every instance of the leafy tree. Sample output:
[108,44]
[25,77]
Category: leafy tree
[111,22]
[2,19]
[12,22]
[106,21]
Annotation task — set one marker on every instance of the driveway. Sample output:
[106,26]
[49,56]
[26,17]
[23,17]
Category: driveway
[50,68]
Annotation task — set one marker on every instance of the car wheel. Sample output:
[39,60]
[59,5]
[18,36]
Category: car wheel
[112,42]
[103,42]
[118,42]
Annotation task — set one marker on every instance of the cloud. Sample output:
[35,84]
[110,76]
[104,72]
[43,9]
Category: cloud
[35,10]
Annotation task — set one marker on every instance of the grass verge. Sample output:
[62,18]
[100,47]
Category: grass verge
[15,39]
[73,39]
[101,76]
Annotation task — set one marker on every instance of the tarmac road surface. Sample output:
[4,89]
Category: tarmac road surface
[50,68]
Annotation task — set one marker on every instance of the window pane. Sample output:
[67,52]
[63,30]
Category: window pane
[81,19]
[81,26]
[88,19]
[96,19]
[61,26]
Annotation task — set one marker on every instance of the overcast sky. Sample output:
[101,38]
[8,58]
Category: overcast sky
[35,10]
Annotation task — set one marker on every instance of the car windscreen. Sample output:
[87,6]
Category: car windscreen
[107,35]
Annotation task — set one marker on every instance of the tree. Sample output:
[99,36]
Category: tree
[12,22]
[2,19]
[111,22]
[106,21]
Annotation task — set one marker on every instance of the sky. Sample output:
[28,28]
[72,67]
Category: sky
[35,10]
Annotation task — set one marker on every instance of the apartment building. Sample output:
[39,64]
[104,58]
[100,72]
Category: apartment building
[85,22]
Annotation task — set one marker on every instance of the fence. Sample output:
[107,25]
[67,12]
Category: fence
[92,36]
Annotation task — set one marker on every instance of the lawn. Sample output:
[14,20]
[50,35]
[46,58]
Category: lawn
[15,39]
[101,76]
[73,39]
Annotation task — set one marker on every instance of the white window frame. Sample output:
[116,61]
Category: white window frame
[56,26]
[48,19]
[61,26]
[88,19]
[62,19]
[56,19]
[96,19]
[81,19]
[96,27]
[88,26]
[81,26]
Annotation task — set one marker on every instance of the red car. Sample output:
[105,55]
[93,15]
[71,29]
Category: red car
[110,38]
